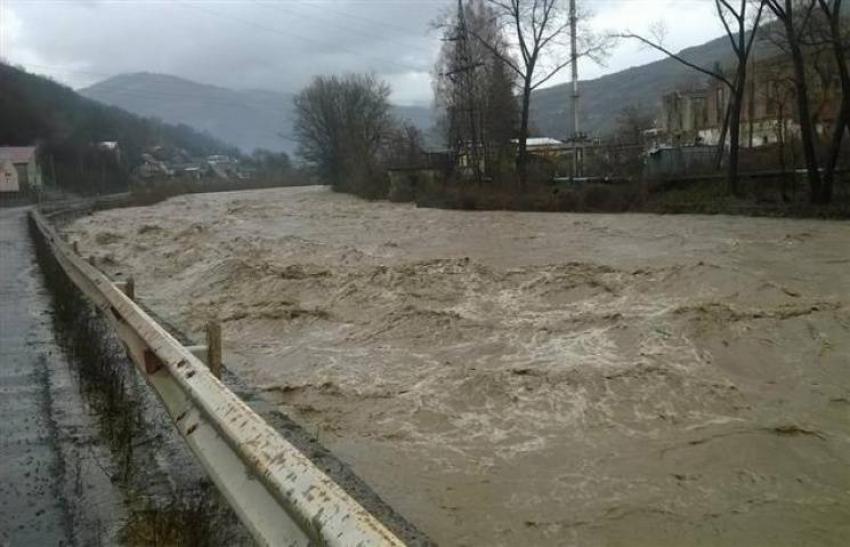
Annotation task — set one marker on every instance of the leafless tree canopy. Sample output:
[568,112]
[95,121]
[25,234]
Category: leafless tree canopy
[475,89]
[741,20]
[341,125]
[829,36]
[795,16]
[539,33]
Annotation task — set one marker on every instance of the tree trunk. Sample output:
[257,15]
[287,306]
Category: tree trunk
[735,126]
[734,139]
[780,137]
[721,149]
[807,131]
[751,105]
[843,118]
[841,123]
[522,154]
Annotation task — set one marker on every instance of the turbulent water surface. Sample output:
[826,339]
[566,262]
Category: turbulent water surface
[518,378]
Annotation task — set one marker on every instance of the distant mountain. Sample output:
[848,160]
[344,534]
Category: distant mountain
[263,119]
[248,119]
[37,110]
[603,98]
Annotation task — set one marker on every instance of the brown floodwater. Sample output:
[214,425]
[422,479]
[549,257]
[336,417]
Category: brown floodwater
[507,378]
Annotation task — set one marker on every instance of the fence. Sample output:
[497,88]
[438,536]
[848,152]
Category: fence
[277,492]
[681,161]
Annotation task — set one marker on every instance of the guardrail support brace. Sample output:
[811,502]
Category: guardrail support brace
[152,362]
[130,288]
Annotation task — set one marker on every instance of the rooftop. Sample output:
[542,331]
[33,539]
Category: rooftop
[17,154]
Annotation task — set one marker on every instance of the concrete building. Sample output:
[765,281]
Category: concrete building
[768,114]
[685,116]
[19,170]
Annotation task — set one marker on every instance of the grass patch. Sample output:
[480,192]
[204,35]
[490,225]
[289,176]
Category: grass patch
[758,197]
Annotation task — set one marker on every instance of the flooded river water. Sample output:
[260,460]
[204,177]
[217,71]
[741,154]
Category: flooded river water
[509,378]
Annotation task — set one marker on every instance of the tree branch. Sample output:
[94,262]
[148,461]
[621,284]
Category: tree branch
[662,49]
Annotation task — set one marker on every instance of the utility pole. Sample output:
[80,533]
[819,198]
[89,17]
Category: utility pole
[574,62]
[577,159]
[465,71]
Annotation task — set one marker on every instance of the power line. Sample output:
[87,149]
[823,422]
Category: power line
[358,31]
[112,86]
[290,33]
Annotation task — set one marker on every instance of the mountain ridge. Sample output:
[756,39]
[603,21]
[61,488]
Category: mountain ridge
[258,118]
[37,110]
[248,119]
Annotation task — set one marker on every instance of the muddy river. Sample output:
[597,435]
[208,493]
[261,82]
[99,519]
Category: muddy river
[530,379]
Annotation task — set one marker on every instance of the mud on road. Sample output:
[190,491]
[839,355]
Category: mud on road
[506,378]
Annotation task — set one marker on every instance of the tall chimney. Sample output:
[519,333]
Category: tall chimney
[574,57]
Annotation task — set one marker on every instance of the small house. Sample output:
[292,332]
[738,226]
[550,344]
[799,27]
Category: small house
[19,170]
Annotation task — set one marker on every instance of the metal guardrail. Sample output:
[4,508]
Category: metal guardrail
[277,492]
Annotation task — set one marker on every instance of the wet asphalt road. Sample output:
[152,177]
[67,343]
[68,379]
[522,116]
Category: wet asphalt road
[33,509]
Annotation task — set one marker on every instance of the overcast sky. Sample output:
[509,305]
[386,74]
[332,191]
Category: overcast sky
[281,44]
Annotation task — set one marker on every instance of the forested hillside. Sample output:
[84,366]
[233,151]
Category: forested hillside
[36,110]
[643,86]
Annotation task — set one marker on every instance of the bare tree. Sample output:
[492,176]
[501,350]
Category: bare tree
[777,94]
[457,90]
[341,126]
[741,24]
[474,88]
[837,41]
[537,26]
[795,16]
[404,147]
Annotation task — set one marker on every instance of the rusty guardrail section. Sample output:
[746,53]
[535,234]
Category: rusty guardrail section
[277,492]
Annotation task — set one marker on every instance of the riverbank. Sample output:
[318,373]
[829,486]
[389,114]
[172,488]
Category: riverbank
[759,198]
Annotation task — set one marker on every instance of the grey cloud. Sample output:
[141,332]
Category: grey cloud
[241,44]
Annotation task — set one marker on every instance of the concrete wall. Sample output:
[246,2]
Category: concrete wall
[681,161]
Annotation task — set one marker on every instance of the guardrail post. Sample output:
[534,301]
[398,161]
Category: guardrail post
[282,497]
[214,348]
[130,288]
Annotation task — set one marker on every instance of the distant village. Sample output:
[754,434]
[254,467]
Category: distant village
[24,171]
[161,162]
